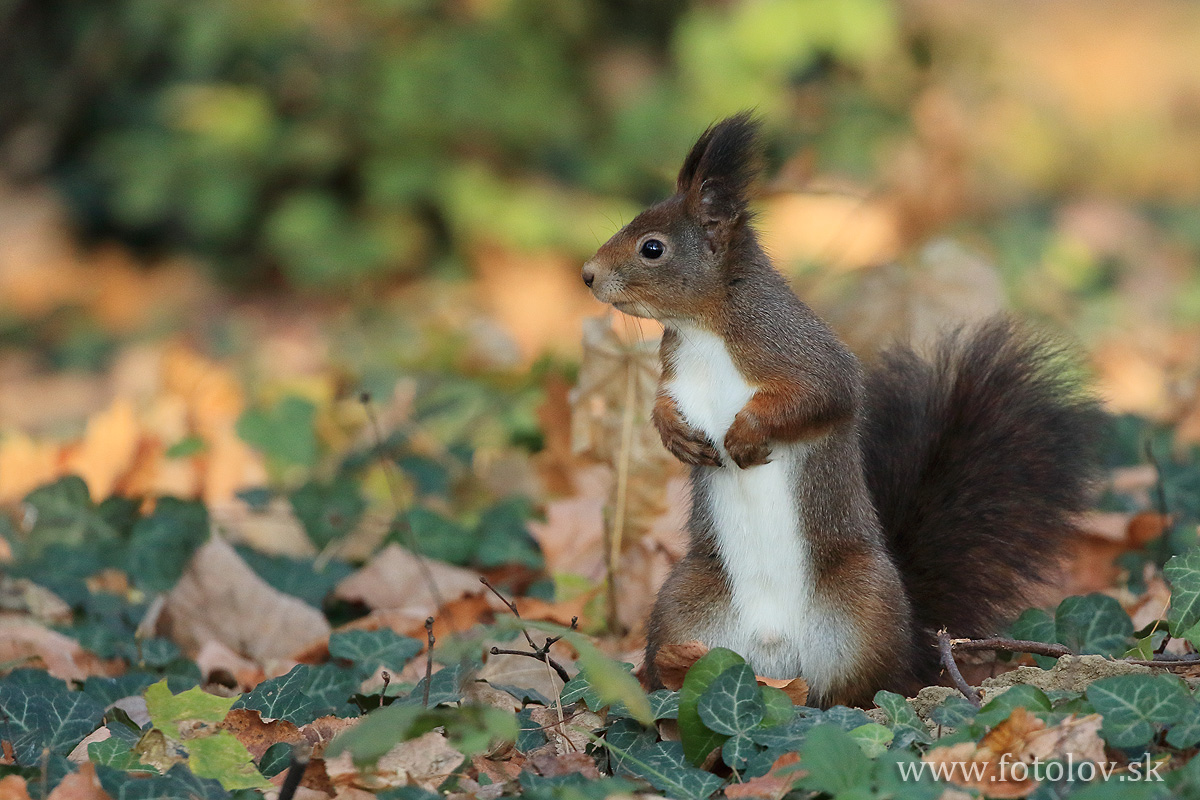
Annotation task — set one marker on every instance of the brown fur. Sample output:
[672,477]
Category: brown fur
[923,429]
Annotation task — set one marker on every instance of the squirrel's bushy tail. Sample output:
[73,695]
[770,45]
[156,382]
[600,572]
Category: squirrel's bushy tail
[978,461]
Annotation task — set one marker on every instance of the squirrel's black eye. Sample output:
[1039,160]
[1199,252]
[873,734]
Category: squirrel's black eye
[653,248]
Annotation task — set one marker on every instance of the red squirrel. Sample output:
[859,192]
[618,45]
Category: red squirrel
[840,515]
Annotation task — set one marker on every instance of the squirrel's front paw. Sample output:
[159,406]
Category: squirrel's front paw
[747,443]
[685,442]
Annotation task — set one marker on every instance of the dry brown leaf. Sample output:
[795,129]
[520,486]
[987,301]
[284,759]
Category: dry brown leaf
[1078,737]
[394,580]
[106,452]
[569,734]
[426,761]
[25,465]
[81,785]
[12,787]
[321,731]
[216,657]
[796,688]
[778,781]
[59,655]
[250,729]
[498,771]
[553,765]
[572,537]
[220,598]
[524,672]
[674,660]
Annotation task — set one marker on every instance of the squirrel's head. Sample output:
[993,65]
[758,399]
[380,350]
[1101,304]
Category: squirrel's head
[674,260]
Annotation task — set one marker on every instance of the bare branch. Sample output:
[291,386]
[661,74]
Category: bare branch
[960,683]
[1010,645]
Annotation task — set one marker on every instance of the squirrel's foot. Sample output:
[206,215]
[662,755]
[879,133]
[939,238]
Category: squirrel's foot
[747,443]
[686,443]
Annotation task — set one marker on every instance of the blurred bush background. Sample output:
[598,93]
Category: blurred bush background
[925,157]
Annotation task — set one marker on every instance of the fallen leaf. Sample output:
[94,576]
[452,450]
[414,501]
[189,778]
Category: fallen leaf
[553,765]
[12,787]
[795,688]
[1078,737]
[25,465]
[426,761]
[58,654]
[257,736]
[220,598]
[81,785]
[674,660]
[394,580]
[215,657]
[778,781]
[106,452]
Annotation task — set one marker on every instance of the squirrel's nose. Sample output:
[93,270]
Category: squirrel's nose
[589,275]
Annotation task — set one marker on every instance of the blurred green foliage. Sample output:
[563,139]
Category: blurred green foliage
[326,141]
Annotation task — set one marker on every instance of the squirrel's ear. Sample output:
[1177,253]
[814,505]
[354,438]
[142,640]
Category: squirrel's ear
[716,176]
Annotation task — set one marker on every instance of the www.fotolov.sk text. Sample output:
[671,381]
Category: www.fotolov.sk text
[1037,769]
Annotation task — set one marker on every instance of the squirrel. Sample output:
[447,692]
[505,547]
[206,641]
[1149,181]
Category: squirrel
[840,516]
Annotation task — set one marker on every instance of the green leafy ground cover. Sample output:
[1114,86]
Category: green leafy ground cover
[157,727]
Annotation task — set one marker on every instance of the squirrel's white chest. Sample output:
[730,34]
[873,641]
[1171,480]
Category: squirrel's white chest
[758,525]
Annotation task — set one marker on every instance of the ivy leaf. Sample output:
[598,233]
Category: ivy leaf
[370,650]
[954,712]
[1183,573]
[440,538]
[1036,625]
[298,577]
[118,754]
[285,697]
[1093,624]
[222,757]
[873,738]
[1186,732]
[328,511]
[905,723]
[63,513]
[732,704]
[1132,704]
[504,537]
[664,704]
[698,740]
[167,710]
[1022,695]
[42,713]
[284,433]
[779,706]
[834,761]
[664,766]
[164,543]
[178,782]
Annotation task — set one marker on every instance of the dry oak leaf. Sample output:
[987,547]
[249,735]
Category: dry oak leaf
[220,598]
[250,729]
[778,781]
[1021,737]
[60,655]
[394,580]
[796,688]
[674,660]
[426,761]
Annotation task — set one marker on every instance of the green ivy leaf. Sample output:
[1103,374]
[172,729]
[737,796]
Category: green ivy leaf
[664,766]
[223,758]
[1186,732]
[42,713]
[328,511]
[698,740]
[370,650]
[164,543]
[116,753]
[834,761]
[954,712]
[284,433]
[299,577]
[664,704]
[732,704]
[1132,704]
[780,708]
[504,537]
[1036,625]
[1093,624]
[179,781]
[1183,573]
[167,710]
[873,738]
[63,513]
[440,538]
[905,723]
[285,697]
[1022,695]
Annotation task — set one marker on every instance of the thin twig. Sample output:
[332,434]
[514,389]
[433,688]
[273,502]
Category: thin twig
[428,661]
[947,654]
[387,679]
[539,652]
[1166,662]
[1010,645]
[394,491]
[621,501]
[291,781]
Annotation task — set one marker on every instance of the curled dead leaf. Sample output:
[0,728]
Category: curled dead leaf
[220,598]
[674,660]
[796,689]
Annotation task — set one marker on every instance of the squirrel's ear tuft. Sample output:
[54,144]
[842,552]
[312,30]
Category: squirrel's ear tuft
[717,173]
